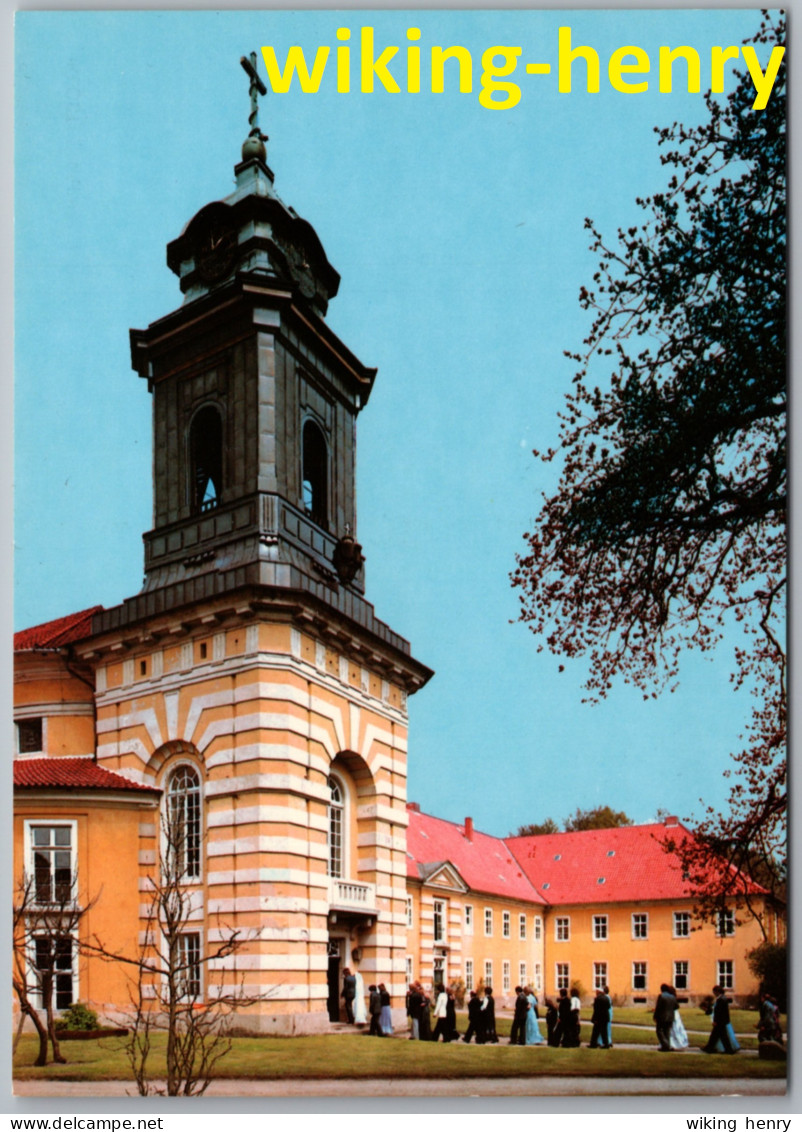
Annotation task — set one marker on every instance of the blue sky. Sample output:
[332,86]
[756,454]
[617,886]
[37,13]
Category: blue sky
[459,235]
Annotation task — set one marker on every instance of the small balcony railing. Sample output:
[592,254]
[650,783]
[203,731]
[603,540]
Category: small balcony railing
[351,895]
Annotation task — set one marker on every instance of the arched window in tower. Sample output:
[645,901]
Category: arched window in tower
[336,824]
[183,832]
[206,459]
[315,474]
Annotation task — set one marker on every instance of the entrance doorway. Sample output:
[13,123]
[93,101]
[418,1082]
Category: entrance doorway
[336,952]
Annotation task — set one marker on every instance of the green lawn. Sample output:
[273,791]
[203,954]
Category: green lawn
[356,1055]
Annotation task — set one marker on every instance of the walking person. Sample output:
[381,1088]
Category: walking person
[663,1014]
[349,994]
[678,1037]
[564,1019]
[601,1021]
[451,1015]
[490,1016]
[532,1034]
[374,1009]
[360,1015]
[722,1033]
[386,1016]
[474,1019]
[610,1023]
[552,1023]
[518,1029]
[414,1007]
[440,1012]
[425,1022]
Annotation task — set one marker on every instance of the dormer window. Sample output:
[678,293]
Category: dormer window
[206,459]
[315,474]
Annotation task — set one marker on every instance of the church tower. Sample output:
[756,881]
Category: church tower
[250,679]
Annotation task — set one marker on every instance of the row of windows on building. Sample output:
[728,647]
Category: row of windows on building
[724,975]
[600,924]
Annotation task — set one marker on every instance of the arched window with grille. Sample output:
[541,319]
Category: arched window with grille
[206,459]
[183,833]
[336,828]
[314,474]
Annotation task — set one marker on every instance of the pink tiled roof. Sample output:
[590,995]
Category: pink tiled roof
[484,862]
[67,773]
[567,868]
[54,634]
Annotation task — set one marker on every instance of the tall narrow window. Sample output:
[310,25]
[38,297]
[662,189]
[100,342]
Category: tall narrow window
[189,971]
[315,474]
[53,863]
[184,823]
[206,459]
[53,959]
[336,806]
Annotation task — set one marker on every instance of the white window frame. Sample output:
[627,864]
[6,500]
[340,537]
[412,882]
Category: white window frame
[506,925]
[488,975]
[74,971]
[198,975]
[469,974]
[677,975]
[173,772]
[538,928]
[640,920]
[409,969]
[725,978]
[522,979]
[506,976]
[522,925]
[600,979]
[562,976]
[29,849]
[488,922]
[637,974]
[468,920]
[601,927]
[337,870]
[440,914]
[684,919]
[725,923]
[562,929]
[538,976]
[410,913]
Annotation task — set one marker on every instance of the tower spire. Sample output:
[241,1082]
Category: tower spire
[254,146]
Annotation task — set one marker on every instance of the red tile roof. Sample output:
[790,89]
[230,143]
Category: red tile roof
[66,773]
[54,634]
[605,865]
[484,862]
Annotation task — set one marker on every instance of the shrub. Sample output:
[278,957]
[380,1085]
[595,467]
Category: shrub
[77,1017]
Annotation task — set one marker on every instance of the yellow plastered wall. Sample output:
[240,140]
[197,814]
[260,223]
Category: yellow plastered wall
[659,948]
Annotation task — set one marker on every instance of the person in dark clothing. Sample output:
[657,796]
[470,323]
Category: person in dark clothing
[349,994]
[425,1024]
[601,1021]
[475,1019]
[565,1022]
[552,1023]
[414,1009]
[451,1016]
[721,1020]
[490,1016]
[518,1029]
[664,1010]
[374,1009]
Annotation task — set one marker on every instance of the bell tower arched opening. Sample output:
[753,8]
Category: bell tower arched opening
[206,459]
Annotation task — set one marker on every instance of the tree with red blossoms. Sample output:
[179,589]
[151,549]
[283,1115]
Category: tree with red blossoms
[668,525]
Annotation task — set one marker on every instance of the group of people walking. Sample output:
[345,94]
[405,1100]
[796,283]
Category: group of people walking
[563,1025]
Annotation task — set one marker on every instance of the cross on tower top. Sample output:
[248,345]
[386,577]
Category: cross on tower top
[255,147]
